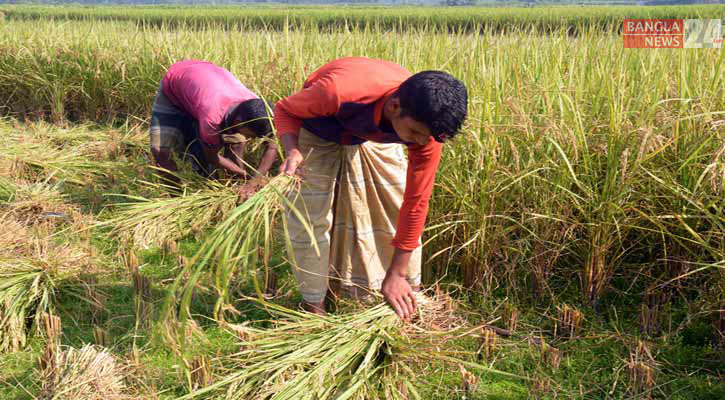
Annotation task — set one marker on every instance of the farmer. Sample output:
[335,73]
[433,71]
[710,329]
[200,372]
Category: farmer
[366,203]
[200,108]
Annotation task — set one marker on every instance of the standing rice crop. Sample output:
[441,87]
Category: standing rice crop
[459,19]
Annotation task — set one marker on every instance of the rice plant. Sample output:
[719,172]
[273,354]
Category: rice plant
[34,159]
[7,190]
[368,354]
[28,289]
[232,247]
[155,221]
[447,19]
[33,271]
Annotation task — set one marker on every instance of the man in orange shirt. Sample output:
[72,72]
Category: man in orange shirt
[366,204]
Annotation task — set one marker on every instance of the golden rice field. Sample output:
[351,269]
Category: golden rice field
[576,231]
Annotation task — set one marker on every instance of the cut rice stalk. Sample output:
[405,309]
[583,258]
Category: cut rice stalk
[30,278]
[236,241]
[154,221]
[89,373]
[72,165]
[364,355]
[41,202]
[26,291]
[7,190]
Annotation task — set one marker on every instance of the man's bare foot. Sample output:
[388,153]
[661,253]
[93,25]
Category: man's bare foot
[315,308]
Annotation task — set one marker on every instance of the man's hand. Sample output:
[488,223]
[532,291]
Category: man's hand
[251,187]
[292,163]
[399,295]
[218,161]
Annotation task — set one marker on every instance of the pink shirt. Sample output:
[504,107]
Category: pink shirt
[206,92]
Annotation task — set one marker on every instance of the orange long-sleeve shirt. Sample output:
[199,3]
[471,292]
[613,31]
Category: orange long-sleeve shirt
[342,102]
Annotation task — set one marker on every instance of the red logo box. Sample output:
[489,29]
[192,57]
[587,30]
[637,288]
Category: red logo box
[653,33]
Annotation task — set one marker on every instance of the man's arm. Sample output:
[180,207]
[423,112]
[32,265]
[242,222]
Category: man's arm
[255,184]
[213,157]
[422,165]
[318,99]
[235,152]
[268,158]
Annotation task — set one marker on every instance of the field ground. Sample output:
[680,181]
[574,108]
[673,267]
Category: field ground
[583,206]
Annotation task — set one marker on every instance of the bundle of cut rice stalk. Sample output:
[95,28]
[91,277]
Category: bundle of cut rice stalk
[35,159]
[31,203]
[89,373]
[173,216]
[31,275]
[100,143]
[366,355]
[237,241]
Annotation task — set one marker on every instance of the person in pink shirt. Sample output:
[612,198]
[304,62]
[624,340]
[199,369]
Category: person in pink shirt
[200,108]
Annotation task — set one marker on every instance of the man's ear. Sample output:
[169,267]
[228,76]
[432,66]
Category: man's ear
[394,106]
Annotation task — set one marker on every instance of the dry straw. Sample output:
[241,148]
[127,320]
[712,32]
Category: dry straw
[89,373]
[642,371]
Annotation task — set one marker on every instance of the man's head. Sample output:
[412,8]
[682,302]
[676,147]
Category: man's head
[251,118]
[428,104]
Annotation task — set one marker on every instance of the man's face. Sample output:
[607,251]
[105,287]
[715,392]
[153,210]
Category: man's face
[411,131]
[407,128]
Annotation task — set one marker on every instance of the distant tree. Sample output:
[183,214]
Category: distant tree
[459,2]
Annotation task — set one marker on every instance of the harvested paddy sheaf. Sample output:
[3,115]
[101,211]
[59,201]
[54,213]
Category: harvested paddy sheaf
[175,215]
[72,165]
[88,373]
[243,239]
[33,272]
[43,203]
[365,354]
[75,159]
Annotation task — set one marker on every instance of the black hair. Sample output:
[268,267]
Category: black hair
[436,99]
[254,114]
